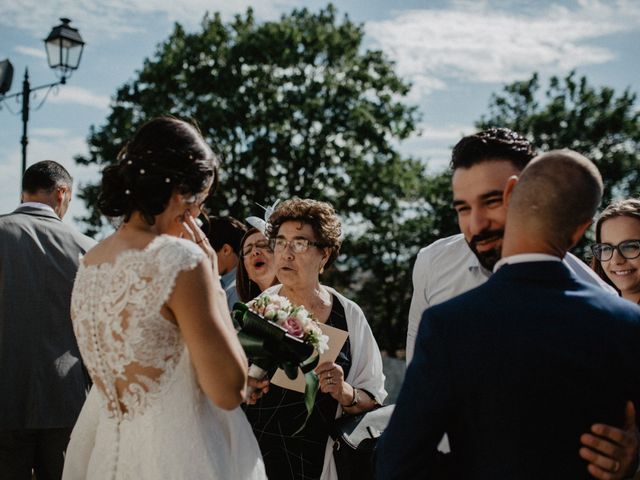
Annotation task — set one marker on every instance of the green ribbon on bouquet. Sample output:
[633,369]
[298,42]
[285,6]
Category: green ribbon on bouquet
[270,347]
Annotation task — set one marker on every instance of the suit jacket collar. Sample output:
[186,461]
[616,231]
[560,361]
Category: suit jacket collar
[543,271]
[36,212]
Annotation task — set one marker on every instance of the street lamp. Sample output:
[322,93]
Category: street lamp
[64,47]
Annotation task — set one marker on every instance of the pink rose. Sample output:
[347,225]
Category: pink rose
[293,327]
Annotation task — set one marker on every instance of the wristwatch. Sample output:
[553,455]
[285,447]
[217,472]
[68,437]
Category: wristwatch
[356,398]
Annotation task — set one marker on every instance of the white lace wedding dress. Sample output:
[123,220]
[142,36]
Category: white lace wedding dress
[146,417]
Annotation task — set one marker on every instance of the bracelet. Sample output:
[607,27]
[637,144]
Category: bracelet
[356,398]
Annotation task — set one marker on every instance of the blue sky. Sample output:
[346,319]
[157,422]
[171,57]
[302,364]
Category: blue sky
[456,53]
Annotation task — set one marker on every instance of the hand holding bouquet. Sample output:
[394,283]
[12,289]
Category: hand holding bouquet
[275,334]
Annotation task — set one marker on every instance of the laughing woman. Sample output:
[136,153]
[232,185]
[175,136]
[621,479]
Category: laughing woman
[616,253]
[305,239]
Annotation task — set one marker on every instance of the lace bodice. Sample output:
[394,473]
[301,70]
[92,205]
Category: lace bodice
[128,347]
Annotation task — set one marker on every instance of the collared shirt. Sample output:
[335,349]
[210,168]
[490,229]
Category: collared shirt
[448,268]
[228,282]
[42,206]
[524,258]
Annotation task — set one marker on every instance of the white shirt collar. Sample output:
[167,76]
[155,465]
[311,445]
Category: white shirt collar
[42,206]
[525,257]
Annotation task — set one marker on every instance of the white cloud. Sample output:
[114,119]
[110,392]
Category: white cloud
[99,21]
[30,51]
[79,96]
[442,133]
[49,132]
[480,43]
[433,143]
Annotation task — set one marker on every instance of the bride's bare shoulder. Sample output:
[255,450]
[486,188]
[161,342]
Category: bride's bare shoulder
[107,250]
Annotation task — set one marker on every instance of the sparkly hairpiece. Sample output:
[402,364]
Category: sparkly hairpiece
[129,161]
[259,223]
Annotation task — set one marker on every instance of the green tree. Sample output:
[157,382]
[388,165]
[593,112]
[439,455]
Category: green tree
[596,122]
[293,107]
[385,287]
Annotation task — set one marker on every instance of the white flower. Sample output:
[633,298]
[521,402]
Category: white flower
[322,344]
[270,311]
[302,316]
[282,315]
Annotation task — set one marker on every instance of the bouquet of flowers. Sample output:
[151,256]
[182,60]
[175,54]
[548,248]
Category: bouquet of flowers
[274,333]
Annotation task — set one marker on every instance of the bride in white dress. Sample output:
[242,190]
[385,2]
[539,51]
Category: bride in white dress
[153,327]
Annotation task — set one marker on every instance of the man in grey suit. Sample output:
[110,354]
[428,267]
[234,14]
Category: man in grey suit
[42,380]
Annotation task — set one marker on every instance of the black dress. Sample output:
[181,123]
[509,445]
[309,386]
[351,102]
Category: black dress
[279,413]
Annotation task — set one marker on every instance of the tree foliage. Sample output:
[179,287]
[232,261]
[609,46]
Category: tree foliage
[295,107]
[596,122]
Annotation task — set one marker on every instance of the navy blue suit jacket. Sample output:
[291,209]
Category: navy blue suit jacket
[514,372]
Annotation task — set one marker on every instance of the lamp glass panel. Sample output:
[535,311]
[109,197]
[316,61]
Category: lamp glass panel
[53,53]
[73,56]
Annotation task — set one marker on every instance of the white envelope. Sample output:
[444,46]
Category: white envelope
[337,338]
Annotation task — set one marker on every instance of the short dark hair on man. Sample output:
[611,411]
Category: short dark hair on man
[557,192]
[45,175]
[492,144]
[226,230]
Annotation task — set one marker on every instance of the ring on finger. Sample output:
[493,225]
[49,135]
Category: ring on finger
[616,466]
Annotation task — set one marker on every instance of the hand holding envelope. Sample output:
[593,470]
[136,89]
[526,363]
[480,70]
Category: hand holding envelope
[337,337]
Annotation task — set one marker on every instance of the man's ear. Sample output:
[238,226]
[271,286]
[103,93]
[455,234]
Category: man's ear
[508,189]
[61,191]
[226,249]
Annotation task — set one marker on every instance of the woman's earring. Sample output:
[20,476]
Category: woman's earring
[322,269]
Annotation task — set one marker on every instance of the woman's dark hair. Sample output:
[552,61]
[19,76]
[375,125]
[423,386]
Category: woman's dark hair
[247,289]
[319,215]
[629,207]
[166,155]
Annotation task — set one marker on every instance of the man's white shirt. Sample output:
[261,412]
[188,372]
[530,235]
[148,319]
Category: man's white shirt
[42,206]
[448,268]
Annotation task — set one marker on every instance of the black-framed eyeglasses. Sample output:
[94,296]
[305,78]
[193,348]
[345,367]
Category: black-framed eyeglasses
[629,249]
[297,245]
[259,245]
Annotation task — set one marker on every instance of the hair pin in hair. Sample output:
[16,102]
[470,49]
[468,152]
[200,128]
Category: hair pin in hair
[129,162]
[127,192]
[167,180]
[142,171]
[259,223]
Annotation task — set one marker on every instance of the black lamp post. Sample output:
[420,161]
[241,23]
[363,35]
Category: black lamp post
[64,47]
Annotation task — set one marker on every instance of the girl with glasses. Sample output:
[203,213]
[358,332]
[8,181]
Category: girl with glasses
[616,253]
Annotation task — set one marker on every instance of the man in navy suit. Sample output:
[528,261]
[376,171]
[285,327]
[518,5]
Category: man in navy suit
[517,369]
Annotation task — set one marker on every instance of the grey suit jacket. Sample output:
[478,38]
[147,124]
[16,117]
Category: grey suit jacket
[42,381]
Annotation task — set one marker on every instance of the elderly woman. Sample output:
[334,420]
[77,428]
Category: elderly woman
[305,238]
[616,253]
[256,271]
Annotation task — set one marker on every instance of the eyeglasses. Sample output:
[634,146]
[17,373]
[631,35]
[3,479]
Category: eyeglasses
[298,245]
[259,245]
[629,249]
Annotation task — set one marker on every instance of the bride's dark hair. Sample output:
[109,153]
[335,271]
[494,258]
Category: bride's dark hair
[166,155]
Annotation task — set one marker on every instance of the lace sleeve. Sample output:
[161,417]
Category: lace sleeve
[174,256]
